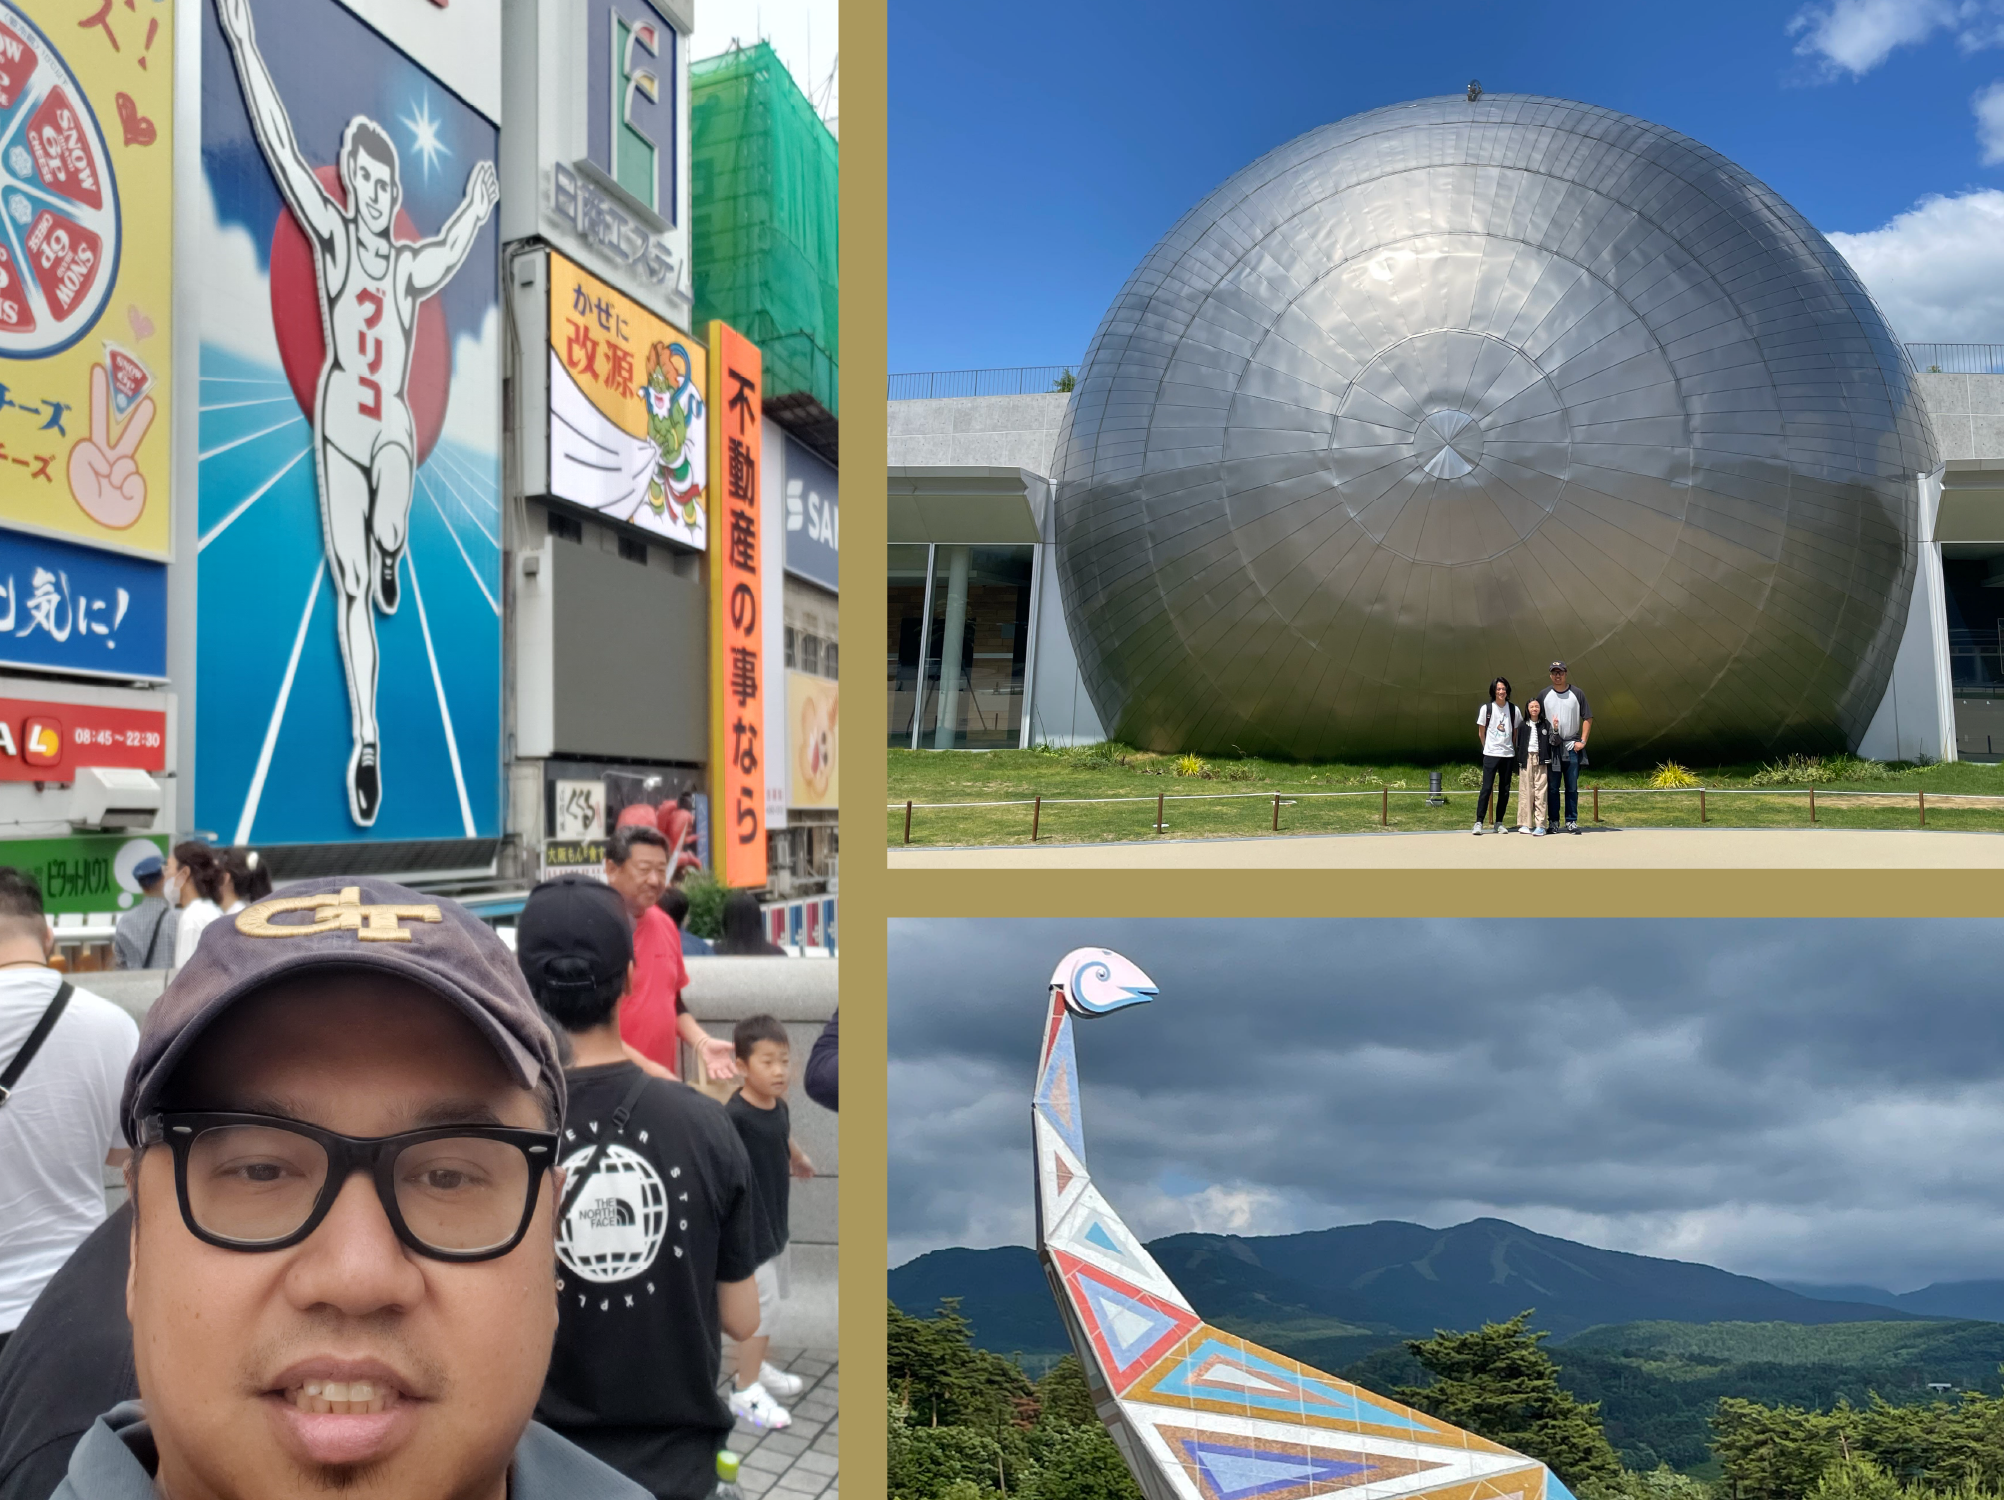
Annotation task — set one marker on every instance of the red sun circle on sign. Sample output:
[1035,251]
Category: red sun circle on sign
[302,336]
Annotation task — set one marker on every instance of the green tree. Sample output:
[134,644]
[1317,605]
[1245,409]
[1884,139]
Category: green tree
[1498,1383]
[1062,1395]
[706,904]
[945,1381]
[1077,1461]
[1066,381]
[1771,1452]
[1855,1479]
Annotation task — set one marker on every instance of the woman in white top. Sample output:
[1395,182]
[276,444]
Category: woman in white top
[1496,732]
[194,881]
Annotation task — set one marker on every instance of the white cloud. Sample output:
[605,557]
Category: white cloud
[1938,269]
[1855,36]
[1989,107]
[236,292]
[805,34]
[472,413]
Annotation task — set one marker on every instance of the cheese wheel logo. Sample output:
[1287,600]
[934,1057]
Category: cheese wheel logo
[59,215]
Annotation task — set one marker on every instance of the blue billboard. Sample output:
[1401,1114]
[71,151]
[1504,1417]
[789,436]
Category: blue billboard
[65,608]
[349,630]
[813,517]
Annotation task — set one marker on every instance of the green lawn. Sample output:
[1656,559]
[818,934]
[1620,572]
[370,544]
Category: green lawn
[1237,796]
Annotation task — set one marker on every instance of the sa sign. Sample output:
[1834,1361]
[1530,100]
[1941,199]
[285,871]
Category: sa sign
[813,517]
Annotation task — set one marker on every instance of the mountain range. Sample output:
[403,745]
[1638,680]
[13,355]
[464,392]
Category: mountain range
[1942,1299]
[1362,1286]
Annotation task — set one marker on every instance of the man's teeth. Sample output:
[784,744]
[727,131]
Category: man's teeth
[344,1396]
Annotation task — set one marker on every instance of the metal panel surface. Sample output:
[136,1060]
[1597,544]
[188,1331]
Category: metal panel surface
[1448,389]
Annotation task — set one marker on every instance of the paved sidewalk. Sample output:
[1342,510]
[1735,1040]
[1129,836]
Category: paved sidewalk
[1601,848]
[798,1462]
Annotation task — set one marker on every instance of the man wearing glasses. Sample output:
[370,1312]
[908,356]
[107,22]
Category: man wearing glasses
[346,1113]
[1565,709]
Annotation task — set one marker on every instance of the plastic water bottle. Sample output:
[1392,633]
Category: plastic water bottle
[727,1477]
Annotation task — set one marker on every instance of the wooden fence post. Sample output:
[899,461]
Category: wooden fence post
[1702,818]
[1812,804]
[1596,804]
[1036,817]
[1923,807]
[1385,807]
[1158,811]
[1276,812]
[908,822]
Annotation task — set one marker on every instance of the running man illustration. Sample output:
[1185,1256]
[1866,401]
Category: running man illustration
[366,441]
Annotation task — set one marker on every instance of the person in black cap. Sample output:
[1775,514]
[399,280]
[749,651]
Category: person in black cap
[346,1111]
[1571,721]
[656,1231]
[144,937]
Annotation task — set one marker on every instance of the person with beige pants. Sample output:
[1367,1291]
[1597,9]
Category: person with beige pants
[1536,750]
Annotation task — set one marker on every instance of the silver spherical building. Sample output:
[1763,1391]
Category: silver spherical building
[1446,390]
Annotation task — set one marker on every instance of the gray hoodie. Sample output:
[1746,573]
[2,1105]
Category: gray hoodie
[116,1459]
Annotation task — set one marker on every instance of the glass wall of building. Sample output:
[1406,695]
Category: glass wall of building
[967,619]
[909,574]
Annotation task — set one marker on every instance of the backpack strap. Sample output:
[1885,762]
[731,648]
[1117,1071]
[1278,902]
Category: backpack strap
[619,1118]
[39,1035]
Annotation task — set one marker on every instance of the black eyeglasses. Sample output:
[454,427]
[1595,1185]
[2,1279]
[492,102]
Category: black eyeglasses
[262,1182]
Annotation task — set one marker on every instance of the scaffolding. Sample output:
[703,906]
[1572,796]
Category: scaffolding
[765,185]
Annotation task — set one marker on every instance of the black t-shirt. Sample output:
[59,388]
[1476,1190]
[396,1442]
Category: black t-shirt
[766,1133]
[68,1363]
[641,1247]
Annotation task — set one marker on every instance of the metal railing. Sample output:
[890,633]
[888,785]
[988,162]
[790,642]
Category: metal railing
[1958,359]
[1917,799]
[1024,380]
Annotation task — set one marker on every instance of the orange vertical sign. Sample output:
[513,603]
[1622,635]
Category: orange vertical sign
[737,670]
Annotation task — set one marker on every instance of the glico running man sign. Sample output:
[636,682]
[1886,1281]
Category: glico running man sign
[348,637]
[737,667]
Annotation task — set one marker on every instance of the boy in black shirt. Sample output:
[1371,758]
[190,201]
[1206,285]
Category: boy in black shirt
[758,1110]
[657,1225]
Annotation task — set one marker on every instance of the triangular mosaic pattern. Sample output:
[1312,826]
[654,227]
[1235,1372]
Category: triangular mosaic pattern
[1058,1093]
[1219,1372]
[1129,1328]
[1227,1467]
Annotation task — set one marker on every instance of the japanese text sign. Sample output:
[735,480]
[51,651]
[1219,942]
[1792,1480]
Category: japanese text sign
[86,253]
[737,668]
[48,741]
[628,420]
[76,609]
[89,872]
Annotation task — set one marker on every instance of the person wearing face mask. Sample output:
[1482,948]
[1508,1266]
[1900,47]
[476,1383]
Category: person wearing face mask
[194,882]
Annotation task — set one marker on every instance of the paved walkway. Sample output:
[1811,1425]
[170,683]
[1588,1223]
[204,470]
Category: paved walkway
[798,1462]
[1602,848]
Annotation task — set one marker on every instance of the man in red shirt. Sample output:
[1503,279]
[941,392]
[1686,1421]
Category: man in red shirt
[653,1017]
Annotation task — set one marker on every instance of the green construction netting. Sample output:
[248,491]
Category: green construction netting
[765,183]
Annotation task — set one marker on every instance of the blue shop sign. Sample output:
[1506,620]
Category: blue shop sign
[66,608]
[813,517]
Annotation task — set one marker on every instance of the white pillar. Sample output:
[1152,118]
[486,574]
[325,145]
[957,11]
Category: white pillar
[949,647]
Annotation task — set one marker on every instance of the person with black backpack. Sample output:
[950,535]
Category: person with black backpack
[63,1056]
[657,1226]
[1496,725]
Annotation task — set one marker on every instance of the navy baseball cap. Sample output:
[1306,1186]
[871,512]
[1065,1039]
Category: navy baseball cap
[351,923]
[147,868]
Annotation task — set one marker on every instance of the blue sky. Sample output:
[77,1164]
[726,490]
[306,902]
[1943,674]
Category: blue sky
[1037,154]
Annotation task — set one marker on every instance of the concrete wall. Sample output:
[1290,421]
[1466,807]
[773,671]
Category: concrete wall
[1967,412]
[1018,432]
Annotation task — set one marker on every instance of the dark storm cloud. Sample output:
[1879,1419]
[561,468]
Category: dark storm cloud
[1821,1100]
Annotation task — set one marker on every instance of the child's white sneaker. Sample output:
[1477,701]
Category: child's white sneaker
[781,1383]
[753,1405]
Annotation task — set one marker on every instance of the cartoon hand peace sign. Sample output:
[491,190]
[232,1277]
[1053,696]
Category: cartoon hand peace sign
[104,479]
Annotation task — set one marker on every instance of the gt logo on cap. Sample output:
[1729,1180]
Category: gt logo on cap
[370,924]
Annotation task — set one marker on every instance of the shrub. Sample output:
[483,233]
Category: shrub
[1468,778]
[1242,770]
[1795,770]
[1192,765]
[1672,774]
[706,904]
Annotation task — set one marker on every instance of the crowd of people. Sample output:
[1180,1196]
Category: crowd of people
[406,1215]
[1544,742]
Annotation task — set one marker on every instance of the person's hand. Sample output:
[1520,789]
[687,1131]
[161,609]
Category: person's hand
[484,189]
[802,1167]
[104,477]
[720,1058]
